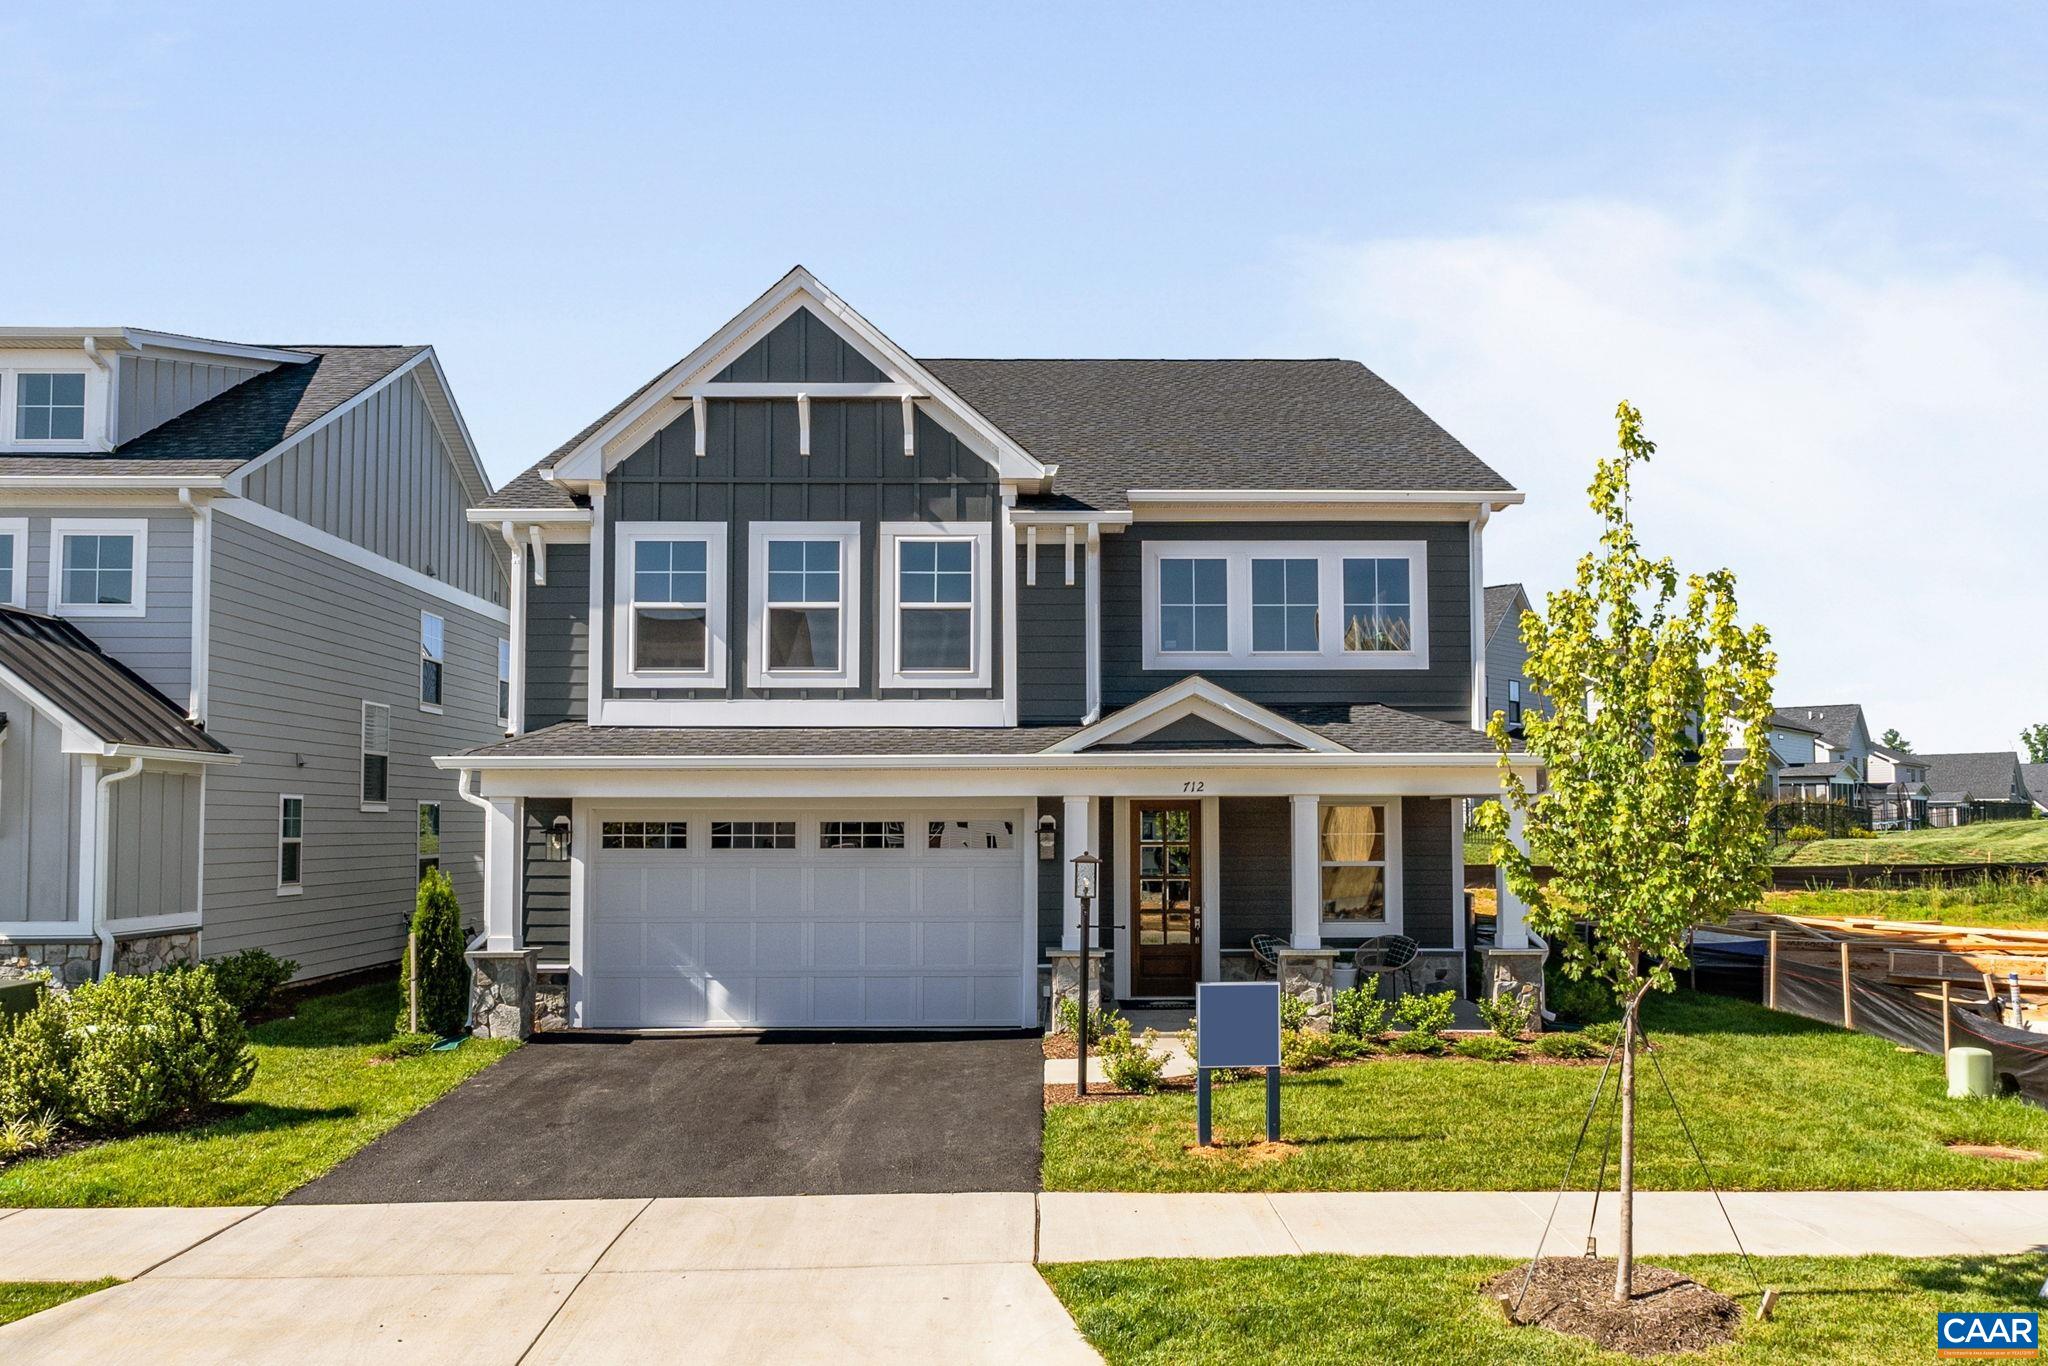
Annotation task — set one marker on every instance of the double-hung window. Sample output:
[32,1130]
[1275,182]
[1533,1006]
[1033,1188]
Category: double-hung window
[1514,701]
[1360,857]
[504,682]
[936,620]
[804,596]
[291,845]
[1284,604]
[100,567]
[669,622]
[433,659]
[49,407]
[13,562]
[376,770]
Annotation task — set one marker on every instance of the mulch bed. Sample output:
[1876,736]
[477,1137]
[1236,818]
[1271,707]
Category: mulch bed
[1666,1313]
[1060,1046]
[1062,1093]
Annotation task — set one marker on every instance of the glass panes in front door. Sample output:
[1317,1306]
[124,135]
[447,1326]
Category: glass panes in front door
[1166,877]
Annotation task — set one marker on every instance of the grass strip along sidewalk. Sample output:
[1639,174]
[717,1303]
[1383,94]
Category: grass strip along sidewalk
[19,1299]
[318,1097]
[1778,1102]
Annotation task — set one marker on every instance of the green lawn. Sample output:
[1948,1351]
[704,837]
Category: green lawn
[316,1099]
[2012,902]
[1990,842]
[1319,1309]
[19,1299]
[1778,1102]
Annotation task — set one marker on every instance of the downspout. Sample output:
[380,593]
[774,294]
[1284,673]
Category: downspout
[102,811]
[462,778]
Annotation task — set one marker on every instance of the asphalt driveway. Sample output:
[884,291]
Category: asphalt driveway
[596,1116]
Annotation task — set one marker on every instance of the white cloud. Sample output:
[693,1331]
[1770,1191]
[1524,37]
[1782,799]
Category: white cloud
[1861,436]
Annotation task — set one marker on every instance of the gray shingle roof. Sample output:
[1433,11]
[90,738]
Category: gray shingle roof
[59,661]
[1786,721]
[1500,600]
[236,425]
[1986,776]
[2035,776]
[1834,721]
[1833,770]
[1115,425]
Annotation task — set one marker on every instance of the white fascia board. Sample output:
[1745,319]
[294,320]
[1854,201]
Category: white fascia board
[111,483]
[142,337]
[587,460]
[823,763]
[1468,497]
[313,538]
[529,516]
[157,754]
[455,424]
[1108,521]
[1188,698]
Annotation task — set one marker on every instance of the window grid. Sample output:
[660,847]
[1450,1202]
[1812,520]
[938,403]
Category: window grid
[7,583]
[49,407]
[1378,611]
[753,834]
[98,569]
[803,605]
[644,834]
[291,842]
[1284,606]
[376,745]
[935,605]
[1194,606]
[1352,842]
[433,658]
[860,835]
[671,605]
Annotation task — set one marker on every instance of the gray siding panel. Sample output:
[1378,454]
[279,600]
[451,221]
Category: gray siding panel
[153,845]
[1052,638]
[1052,881]
[803,347]
[545,884]
[1257,879]
[1443,691]
[558,639]
[752,471]
[38,817]
[158,644]
[154,390]
[1429,869]
[301,640]
[380,476]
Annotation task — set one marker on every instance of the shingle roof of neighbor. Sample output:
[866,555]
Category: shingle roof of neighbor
[2035,776]
[1828,770]
[236,425]
[1364,729]
[59,661]
[1116,425]
[1986,776]
[1500,600]
[1832,720]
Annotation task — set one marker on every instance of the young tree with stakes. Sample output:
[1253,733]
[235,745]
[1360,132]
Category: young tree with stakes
[1646,833]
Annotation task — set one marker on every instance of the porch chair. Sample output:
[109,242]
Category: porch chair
[1266,950]
[1386,956]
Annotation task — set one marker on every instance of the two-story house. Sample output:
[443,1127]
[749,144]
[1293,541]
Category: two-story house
[1829,756]
[829,661]
[241,607]
[1987,785]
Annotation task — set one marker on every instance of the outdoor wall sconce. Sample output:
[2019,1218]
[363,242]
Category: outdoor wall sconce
[1048,829]
[558,839]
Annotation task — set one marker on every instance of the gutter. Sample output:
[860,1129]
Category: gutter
[103,808]
[467,763]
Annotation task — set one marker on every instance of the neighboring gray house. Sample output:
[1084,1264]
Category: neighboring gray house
[1830,756]
[267,547]
[1974,787]
[1507,687]
[2035,776]
[829,661]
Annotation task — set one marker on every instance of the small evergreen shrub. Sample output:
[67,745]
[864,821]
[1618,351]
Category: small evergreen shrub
[1805,834]
[1508,1014]
[1579,999]
[1857,832]
[1356,1013]
[1567,1046]
[1293,1012]
[1102,1020]
[1131,1065]
[443,974]
[248,979]
[1426,1014]
[35,1061]
[1487,1048]
[1304,1050]
[1418,1041]
[1602,1033]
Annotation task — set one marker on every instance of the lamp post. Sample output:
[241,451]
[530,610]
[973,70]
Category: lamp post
[1085,865]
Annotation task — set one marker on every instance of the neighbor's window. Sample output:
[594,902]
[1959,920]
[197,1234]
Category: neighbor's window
[376,755]
[803,606]
[430,838]
[860,834]
[1354,858]
[1377,615]
[291,843]
[644,834]
[433,656]
[935,605]
[504,680]
[97,569]
[671,606]
[1284,606]
[13,541]
[987,834]
[1194,606]
[49,407]
[1514,701]
[753,834]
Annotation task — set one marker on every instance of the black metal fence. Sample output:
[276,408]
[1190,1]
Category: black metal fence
[1833,819]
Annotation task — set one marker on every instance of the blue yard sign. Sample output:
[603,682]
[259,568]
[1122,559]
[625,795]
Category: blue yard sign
[2004,1335]
[1237,1024]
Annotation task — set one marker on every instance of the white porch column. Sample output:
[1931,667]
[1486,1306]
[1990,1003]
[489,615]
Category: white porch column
[1077,837]
[501,875]
[1307,865]
[1510,925]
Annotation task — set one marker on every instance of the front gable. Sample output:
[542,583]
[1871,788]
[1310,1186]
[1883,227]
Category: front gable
[802,347]
[1196,714]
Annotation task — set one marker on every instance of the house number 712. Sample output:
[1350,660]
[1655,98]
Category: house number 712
[1195,786]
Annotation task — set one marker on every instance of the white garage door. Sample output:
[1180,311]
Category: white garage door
[809,921]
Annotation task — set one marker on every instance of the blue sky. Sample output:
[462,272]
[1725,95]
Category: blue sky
[1807,241]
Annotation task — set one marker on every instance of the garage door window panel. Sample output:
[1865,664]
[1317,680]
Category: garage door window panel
[753,834]
[860,835]
[670,835]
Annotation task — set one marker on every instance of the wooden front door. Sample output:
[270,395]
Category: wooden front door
[1166,894]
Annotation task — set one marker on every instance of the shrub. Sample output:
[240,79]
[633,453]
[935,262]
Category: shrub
[443,975]
[1508,1014]
[1357,1013]
[1857,832]
[126,1052]
[1426,1014]
[19,998]
[249,978]
[1805,834]
[1130,1065]
[403,1046]
[1579,999]
[1602,1033]
[1568,1046]
[1304,1050]
[1293,1011]
[1487,1048]
[1418,1041]
[1102,1020]
[25,1134]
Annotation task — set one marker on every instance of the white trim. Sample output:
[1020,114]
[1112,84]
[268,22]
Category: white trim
[313,538]
[105,485]
[1481,766]
[578,517]
[599,683]
[438,656]
[507,683]
[1091,616]
[95,396]
[277,862]
[43,932]
[1476,569]
[515,713]
[1011,692]
[1490,498]
[202,603]
[981,634]
[17,563]
[1120,912]
[1109,521]
[1212,889]
[847,675]
[140,338]
[137,529]
[1197,696]
[363,752]
[795,389]
[626,535]
[768,711]
[123,927]
[1390,874]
